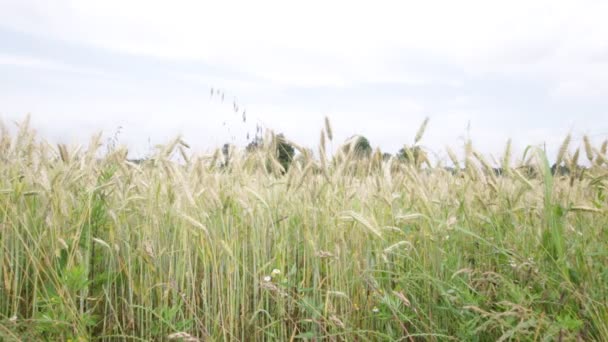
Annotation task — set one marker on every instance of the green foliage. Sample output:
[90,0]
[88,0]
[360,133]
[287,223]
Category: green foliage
[284,151]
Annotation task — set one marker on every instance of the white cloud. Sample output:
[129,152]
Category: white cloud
[328,42]
[341,45]
[21,61]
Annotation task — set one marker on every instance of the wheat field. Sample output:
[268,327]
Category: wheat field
[188,247]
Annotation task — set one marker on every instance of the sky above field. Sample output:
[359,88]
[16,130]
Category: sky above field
[532,71]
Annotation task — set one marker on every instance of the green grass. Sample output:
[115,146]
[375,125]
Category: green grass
[93,247]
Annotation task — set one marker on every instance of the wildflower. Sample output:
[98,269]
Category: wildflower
[375,309]
[267,278]
[275,272]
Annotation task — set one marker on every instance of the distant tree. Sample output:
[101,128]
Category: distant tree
[137,161]
[358,145]
[386,156]
[412,155]
[255,144]
[560,170]
[284,151]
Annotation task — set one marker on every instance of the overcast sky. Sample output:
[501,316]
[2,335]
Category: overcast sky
[532,71]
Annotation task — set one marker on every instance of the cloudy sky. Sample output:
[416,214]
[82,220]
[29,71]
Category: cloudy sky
[532,71]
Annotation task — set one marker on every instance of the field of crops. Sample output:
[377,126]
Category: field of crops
[194,248]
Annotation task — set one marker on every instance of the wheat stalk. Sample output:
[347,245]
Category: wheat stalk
[588,148]
[421,130]
[506,159]
[92,244]
[328,129]
[453,157]
[562,150]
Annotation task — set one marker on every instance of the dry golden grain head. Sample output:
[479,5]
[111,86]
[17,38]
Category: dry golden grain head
[574,160]
[298,147]
[328,129]
[322,142]
[453,157]
[183,143]
[305,173]
[3,129]
[306,154]
[588,148]
[468,154]
[604,147]
[471,168]
[421,130]
[352,215]
[325,255]
[562,150]
[149,249]
[182,152]
[182,336]
[322,157]
[168,149]
[468,148]
[481,159]
[486,165]
[276,167]
[599,158]
[24,126]
[94,144]
[272,137]
[120,155]
[506,158]
[377,156]
[335,320]
[215,157]
[63,152]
